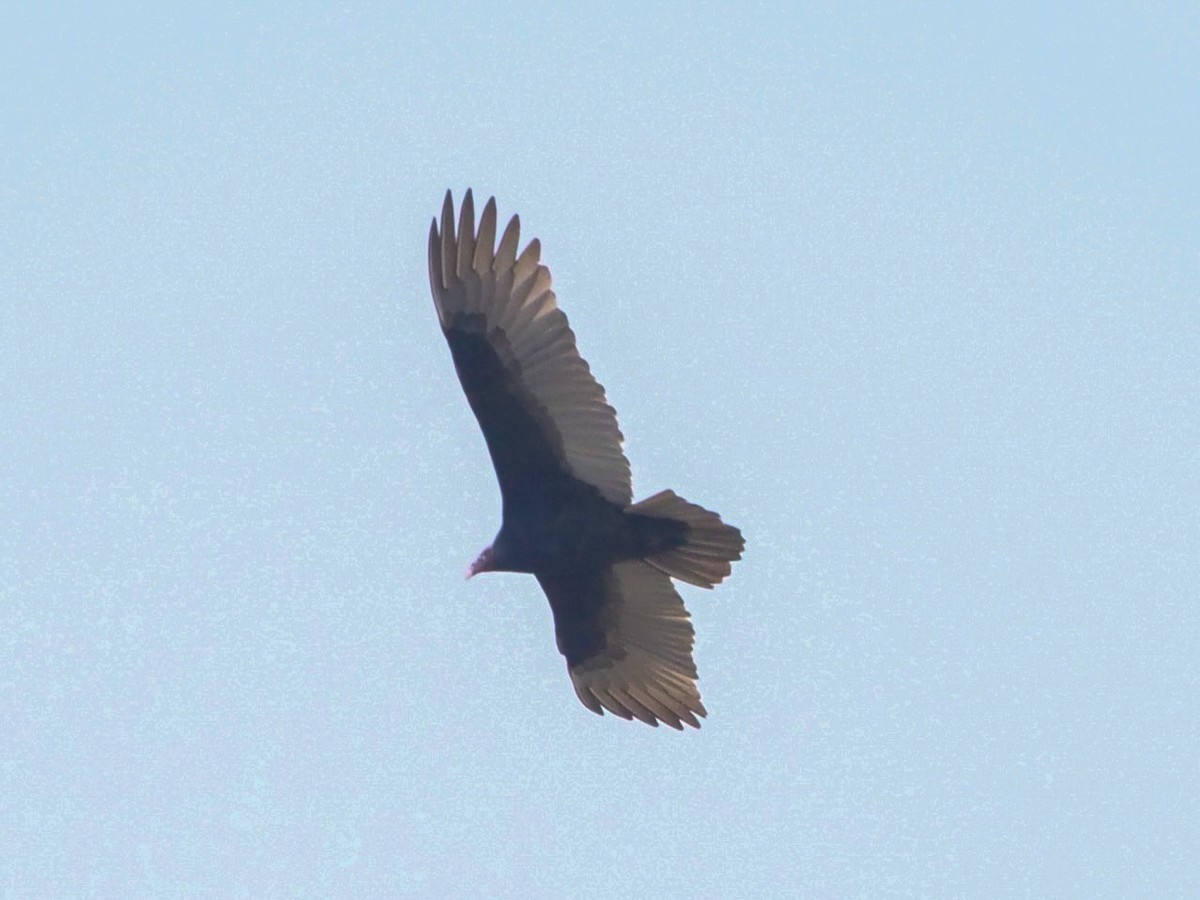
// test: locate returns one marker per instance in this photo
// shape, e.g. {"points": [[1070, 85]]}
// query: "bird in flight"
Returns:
{"points": [[604, 562]]}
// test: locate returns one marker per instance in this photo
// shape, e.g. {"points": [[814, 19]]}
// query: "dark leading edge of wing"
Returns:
{"points": [[628, 642], [516, 357]]}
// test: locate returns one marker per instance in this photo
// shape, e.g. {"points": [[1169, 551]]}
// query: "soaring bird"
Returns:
{"points": [[604, 562]]}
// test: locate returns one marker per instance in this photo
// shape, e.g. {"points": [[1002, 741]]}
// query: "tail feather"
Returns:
{"points": [[709, 548]]}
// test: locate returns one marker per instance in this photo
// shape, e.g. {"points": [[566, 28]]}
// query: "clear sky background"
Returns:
{"points": [[910, 293]]}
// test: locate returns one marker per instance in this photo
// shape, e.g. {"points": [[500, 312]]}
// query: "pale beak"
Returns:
{"points": [[483, 563]]}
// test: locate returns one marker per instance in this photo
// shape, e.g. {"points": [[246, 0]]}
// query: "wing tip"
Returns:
{"points": [[644, 705]]}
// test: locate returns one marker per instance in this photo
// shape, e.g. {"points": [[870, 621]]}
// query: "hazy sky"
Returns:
{"points": [[909, 293]]}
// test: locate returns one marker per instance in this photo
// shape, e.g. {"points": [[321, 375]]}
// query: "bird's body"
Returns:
{"points": [[604, 564]]}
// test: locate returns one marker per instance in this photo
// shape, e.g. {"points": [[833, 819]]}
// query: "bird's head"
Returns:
{"points": [[485, 562]]}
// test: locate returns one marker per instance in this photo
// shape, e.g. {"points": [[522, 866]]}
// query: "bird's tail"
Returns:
{"points": [[709, 546]]}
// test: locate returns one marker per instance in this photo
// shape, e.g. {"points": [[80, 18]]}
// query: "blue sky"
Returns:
{"points": [[908, 294]]}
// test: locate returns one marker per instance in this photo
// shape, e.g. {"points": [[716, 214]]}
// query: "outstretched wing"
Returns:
{"points": [[540, 409], [628, 642]]}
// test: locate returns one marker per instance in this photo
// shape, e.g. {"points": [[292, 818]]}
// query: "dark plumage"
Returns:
{"points": [[604, 563]]}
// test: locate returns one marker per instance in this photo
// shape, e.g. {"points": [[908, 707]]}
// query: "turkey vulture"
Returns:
{"points": [[604, 562]]}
